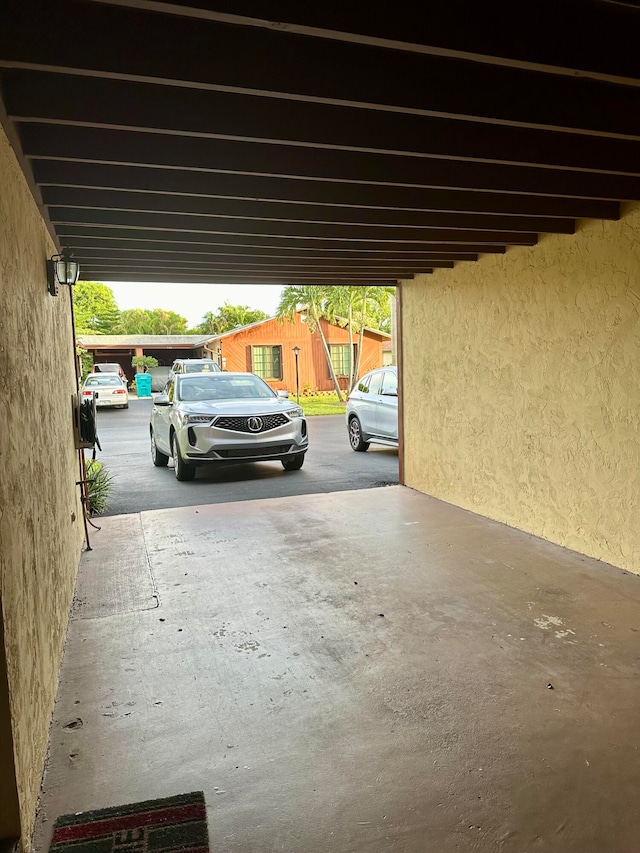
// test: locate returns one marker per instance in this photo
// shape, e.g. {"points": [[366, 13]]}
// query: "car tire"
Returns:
{"points": [[183, 471], [294, 463], [126, 406], [159, 459], [356, 440]]}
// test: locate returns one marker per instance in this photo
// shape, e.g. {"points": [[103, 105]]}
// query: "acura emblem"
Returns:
{"points": [[254, 424]]}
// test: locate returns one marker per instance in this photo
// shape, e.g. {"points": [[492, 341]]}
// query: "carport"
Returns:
{"points": [[489, 164]]}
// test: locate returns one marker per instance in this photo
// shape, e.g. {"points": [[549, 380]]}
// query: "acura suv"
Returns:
{"points": [[219, 418]]}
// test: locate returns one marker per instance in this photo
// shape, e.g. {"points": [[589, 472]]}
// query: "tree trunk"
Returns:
{"points": [[352, 374], [325, 346], [361, 338]]}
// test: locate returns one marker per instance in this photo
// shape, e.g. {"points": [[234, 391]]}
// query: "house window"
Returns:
{"points": [[267, 362], [340, 358]]}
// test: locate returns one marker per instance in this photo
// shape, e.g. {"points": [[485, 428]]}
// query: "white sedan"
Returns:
{"points": [[224, 418], [107, 388]]}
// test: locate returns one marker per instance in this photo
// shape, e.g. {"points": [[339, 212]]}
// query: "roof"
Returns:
{"points": [[444, 131], [112, 341], [239, 329]]}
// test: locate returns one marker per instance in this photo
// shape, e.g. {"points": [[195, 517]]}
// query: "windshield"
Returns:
{"points": [[95, 381], [200, 367], [220, 386]]}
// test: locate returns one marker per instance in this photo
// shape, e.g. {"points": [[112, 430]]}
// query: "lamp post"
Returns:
{"points": [[296, 352]]}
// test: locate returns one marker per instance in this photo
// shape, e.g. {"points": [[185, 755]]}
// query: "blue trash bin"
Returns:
{"points": [[143, 384]]}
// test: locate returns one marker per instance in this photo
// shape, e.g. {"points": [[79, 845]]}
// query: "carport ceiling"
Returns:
{"points": [[219, 141]]}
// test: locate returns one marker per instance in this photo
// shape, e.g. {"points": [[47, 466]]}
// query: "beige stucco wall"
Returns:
{"points": [[521, 387], [40, 516]]}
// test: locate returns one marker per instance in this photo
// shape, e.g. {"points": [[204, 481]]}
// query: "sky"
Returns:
{"points": [[194, 300]]}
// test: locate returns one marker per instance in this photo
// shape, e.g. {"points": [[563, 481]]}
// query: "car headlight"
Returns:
{"points": [[296, 413], [196, 419]]}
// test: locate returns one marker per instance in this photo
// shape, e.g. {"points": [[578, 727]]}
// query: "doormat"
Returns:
{"points": [[155, 826]]}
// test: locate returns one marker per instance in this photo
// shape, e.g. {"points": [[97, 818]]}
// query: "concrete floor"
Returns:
{"points": [[359, 671]]}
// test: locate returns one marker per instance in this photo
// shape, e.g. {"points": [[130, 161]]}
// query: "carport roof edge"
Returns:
{"points": [[93, 341]]}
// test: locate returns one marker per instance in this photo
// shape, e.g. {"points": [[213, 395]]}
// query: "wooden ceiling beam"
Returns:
{"points": [[235, 157], [103, 275], [69, 231], [309, 214], [334, 268], [488, 33], [294, 230], [102, 249], [334, 195], [83, 254], [206, 54], [71, 99]]}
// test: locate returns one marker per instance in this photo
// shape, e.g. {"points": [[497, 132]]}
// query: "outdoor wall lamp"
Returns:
{"points": [[61, 269]]}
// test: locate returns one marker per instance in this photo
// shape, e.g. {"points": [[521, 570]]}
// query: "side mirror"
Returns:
{"points": [[283, 395], [161, 400]]}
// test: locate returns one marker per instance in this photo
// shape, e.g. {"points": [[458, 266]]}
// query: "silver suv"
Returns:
{"points": [[372, 409], [195, 365]]}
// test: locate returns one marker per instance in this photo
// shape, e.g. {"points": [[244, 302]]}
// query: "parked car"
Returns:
{"points": [[372, 410], [224, 418], [195, 365], [159, 377], [108, 390], [109, 367]]}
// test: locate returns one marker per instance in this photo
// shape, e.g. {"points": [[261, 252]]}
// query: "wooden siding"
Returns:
{"points": [[236, 352]]}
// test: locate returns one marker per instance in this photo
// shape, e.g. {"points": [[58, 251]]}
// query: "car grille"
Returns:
{"points": [[244, 453], [241, 424]]}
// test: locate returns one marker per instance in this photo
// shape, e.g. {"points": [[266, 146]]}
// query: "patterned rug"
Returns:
{"points": [[156, 826]]}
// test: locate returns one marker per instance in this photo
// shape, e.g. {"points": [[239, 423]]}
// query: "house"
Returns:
{"points": [[267, 348]]}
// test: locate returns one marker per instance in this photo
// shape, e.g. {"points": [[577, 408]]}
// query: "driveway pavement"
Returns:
{"points": [[356, 672], [330, 466]]}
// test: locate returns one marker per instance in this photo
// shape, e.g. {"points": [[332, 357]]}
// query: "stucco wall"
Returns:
{"points": [[40, 515], [521, 387]]}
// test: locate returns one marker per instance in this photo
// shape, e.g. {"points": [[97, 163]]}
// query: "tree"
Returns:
{"points": [[313, 298], [226, 318], [375, 306], [95, 308], [144, 361], [356, 308], [151, 321], [342, 304]]}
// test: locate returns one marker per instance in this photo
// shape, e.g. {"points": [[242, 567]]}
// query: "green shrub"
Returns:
{"points": [[98, 487], [143, 361]]}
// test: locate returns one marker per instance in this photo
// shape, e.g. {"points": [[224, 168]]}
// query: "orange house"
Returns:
{"points": [[267, 348]]}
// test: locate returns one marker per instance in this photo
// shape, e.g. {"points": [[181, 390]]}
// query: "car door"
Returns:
{"points": [[161, 418], [368, 404], [387, 408]]}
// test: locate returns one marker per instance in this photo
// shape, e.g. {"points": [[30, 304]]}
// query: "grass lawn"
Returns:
{"points": [[322, 405]]}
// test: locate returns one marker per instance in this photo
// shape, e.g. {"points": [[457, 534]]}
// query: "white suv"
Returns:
{"points": [[372, 409]]}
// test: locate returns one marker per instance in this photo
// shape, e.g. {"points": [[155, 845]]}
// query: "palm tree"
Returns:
{"points": [[313, 298], [357, 307], [340, 306]]}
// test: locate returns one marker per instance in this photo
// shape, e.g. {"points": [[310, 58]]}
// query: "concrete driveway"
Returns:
{"points": [[330, 466], [358, 671]]}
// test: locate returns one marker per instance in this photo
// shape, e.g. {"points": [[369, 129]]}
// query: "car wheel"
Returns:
{"points": [[294, 463], [158, 458], [356, 440], [183, 470]]}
